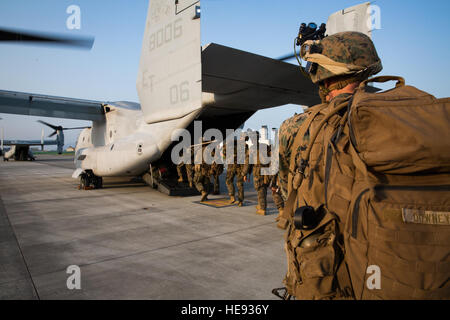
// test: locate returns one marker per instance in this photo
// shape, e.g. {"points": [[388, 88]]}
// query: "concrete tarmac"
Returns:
{"points": [[129, 241]]}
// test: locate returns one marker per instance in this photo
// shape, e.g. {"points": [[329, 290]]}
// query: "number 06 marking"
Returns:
{"points": [[179, 93]]}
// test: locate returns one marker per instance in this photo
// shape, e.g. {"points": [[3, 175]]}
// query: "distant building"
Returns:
{"points": [[70, 149]]}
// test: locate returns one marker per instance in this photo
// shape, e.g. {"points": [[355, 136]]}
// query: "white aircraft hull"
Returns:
{"points": [[108, 153]]}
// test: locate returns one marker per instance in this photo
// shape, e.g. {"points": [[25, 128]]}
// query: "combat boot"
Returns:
{"points": [[232, 199], [204, 196], [180, 179], [261, 212], [240, 204]]}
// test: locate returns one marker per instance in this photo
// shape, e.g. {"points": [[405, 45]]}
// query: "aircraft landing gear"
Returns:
{"points": [[98, 182], [89, 181]]}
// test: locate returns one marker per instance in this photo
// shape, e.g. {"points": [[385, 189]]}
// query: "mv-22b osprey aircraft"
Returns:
{"points": [[179, 82]]}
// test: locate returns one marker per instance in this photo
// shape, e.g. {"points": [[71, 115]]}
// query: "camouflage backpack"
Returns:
{"points": [[369, 206]]}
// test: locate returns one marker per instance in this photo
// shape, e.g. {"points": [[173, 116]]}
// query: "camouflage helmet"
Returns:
{"points": [[341, 54]]}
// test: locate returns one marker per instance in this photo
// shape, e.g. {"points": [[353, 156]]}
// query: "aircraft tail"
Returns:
{"points": [[169, 78]]}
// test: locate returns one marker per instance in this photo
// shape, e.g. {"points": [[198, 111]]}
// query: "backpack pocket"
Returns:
{"points": [[401, 131], [317, 256], [406, 230]]}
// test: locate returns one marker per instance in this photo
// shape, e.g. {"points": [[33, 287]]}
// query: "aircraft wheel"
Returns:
{"points": [[84, 181], [98, 182]]}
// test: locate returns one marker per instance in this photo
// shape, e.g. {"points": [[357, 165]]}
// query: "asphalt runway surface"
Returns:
{"points": [[128, 240]]}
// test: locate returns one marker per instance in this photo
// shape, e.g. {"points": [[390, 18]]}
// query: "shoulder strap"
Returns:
{"points": [[296, 144], [400, 81], [298, 177], [301, 132]]}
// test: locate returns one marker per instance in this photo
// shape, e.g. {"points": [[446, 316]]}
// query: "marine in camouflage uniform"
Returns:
{"points": [[343, 60], [216, 171], [202, 173], [239, 171], [260, 181], [354, 60], [189, 171], [278, 200], [180, 172], [190, 174]]}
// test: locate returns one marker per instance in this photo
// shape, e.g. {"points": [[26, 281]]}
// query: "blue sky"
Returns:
{"points": [[413, 42]]}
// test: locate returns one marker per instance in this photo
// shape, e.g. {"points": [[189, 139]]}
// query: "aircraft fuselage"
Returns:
{"points": [[124, 144]]}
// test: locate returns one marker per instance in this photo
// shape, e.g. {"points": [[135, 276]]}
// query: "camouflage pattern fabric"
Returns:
{"points": [[287, 134], [190, 174], [189, 171], [201, 177], [238, 170], [180, 171], [260, 187], [232, 171], [351, 48], [278, 200], [261, 182], [216, 171], [276, 191], [201, 172]]}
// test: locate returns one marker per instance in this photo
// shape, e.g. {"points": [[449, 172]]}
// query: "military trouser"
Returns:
{"points": [[235, 170], [216, 183], [201, 182], [261, 189], [278, 200], [180, 171], [216, 171], [190, 174]]}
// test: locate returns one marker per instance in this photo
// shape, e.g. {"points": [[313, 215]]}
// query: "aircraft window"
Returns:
{"points": [[82, 157], [83, 139], [110, 133], [112, 147]]}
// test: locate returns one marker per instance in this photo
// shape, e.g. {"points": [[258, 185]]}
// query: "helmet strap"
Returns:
{"points": [[340, 84]]}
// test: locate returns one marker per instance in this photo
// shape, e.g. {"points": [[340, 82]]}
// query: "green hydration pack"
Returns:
{"points": [[369, 198]]}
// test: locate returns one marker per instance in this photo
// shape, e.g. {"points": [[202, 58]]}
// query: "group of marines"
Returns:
{"points": [[199, 176]]}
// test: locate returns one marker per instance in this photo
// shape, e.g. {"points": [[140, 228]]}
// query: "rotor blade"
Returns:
{"points": [[48, 125], [75, 128], [286, 57], [52, 134], [45, 38]]}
